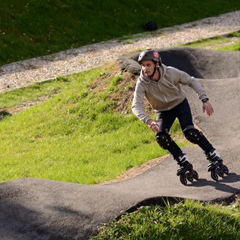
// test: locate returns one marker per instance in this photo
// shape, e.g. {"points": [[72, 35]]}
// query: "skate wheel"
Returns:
{"points": [[225, 169], [195, 175], [189, 177], [214, 175], [220, 174], [183, 179]]}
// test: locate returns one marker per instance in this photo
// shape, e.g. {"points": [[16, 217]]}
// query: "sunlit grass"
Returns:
{"points": [[230, 42], [188, 220]]}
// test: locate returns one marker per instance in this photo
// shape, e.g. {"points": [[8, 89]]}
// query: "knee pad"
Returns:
{"points": [[192, 134], [164, 140]]}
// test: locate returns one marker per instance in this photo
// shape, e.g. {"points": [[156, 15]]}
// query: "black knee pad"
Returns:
{"points": [[164, 140], [192, 134]]}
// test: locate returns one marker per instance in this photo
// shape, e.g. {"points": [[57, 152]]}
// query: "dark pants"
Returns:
{"points": [[184, 115]]}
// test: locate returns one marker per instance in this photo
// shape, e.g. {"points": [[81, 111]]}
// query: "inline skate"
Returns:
{"points": [[185, 170], [216, 166]]}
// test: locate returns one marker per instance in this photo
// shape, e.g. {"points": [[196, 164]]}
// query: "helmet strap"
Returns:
{"points": [[155, 69]]}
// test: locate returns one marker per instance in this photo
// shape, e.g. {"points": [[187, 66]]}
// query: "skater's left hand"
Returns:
{"points": [[208, 108]]}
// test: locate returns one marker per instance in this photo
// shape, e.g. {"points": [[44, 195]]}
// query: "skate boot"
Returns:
{"points": [[216, 166], [185, 170]]}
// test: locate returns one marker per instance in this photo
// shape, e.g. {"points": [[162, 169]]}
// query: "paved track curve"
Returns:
{"points": [[50, 210]]}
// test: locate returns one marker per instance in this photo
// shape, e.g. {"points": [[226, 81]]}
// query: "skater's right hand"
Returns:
{"points": [[154, 125]]}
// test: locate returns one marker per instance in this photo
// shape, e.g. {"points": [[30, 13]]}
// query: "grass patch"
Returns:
{"points": [[208, 42], [35, 92], [41, 27], [188, 220], [231, 47], [230, 42]]}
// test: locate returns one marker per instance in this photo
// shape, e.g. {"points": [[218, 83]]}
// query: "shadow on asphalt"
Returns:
{"points": [[220, 184]]}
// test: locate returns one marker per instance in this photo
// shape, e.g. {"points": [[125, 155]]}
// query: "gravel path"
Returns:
{"points": [[23, 73]]}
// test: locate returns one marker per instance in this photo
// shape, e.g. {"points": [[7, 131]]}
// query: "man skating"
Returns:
{"points": [[161, 85]]}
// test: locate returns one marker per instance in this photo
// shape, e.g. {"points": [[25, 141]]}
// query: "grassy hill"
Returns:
{"points": [[41, 27]]}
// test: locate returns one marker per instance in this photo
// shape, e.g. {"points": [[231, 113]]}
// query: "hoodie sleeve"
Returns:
{"points": [[192, 82], [138, 103]]}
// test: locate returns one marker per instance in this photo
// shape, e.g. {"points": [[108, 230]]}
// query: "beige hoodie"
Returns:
{"points": [[164, 94]]}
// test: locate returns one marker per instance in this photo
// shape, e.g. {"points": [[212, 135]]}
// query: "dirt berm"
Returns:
{"points": [[37, 209]]}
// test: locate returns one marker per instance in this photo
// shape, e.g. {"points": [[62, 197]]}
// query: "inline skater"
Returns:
{"points": [[161, 85]]}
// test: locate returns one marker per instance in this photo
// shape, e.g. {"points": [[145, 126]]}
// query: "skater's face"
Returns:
{"points": [[148, 67]]}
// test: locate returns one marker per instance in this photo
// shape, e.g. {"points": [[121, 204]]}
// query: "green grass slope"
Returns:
{"points": [[188, 220]]}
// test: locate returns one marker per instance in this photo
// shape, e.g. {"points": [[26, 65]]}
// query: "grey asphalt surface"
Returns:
{"points": [[37, 209]]}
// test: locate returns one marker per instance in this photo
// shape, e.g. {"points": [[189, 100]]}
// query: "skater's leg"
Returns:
{"points": [[190, 132], [166, 142], [163, 138], [197, 137]]}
